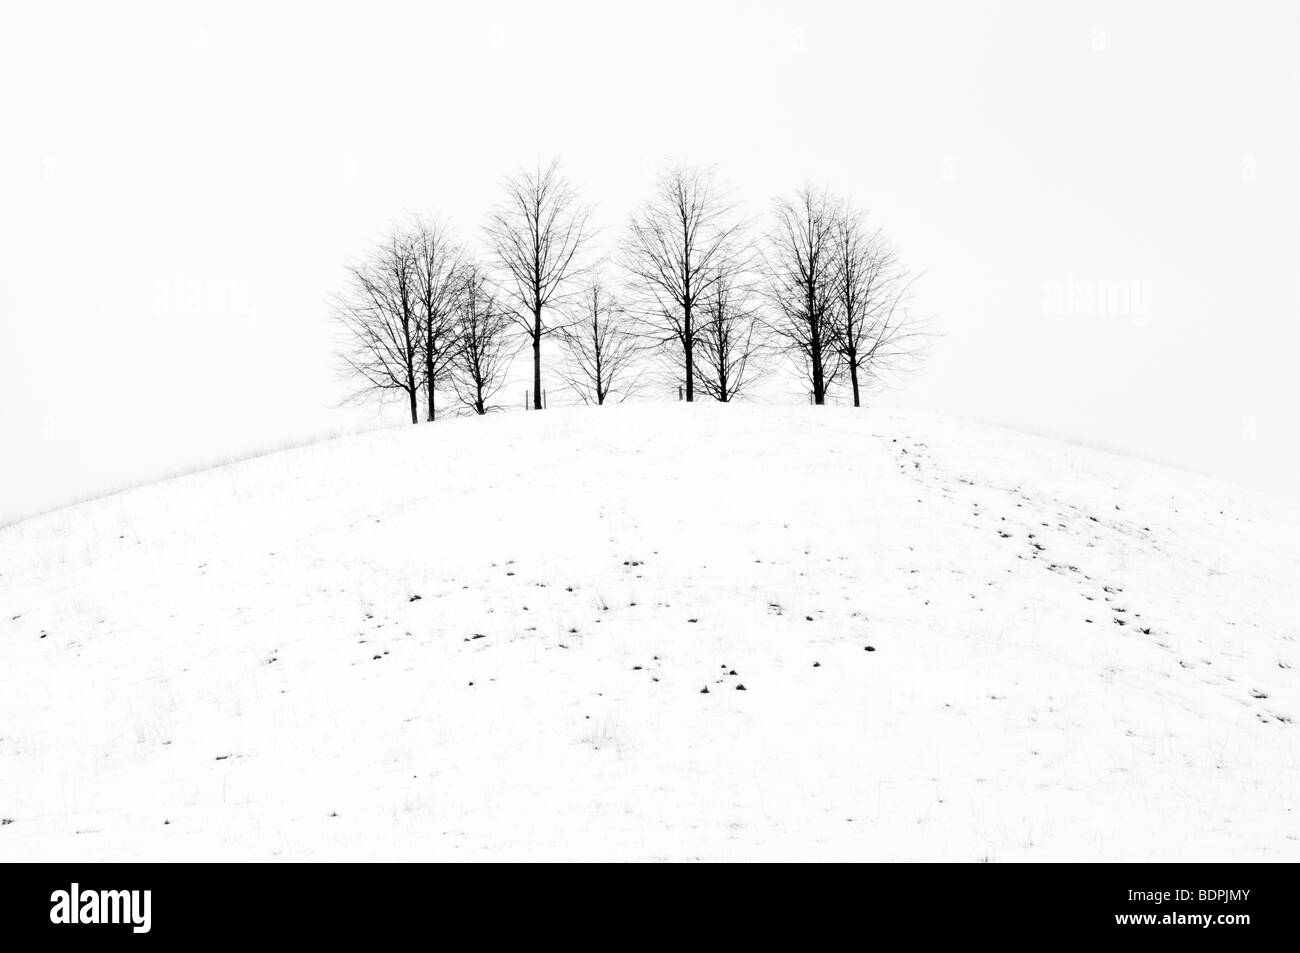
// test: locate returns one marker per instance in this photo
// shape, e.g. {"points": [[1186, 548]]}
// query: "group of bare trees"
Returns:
{"points": [[699, 300], [839, 294], [681, 247], [412, 319]]}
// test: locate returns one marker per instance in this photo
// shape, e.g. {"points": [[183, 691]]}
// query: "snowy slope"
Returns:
{"points": [[490, 639]]}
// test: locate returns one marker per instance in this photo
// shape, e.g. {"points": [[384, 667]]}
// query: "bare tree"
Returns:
{"points": [[537, 234], [483, 354], [379, 319], [438, 285], [875, 331], [802, 284], [727, 341], [602, 351], [677, 247]]}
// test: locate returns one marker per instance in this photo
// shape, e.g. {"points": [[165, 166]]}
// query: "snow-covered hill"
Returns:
{"points": [[657, 632]]}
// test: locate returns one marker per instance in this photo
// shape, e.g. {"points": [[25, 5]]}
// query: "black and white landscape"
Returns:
{"points": [[717, 431]]}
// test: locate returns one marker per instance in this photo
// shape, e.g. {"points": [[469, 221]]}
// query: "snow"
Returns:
{"points": [[1076, 655]]}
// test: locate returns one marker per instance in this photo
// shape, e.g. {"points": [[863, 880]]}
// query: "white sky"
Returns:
{"points": [[180, 188]]}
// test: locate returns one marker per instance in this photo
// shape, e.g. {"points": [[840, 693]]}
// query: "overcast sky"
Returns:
{"points": [[1103, 197]]}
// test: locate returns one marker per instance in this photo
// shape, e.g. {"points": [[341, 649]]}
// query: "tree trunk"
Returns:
{"points": [[412, 389], [690, 355], [428, 375], [815, 352], [537, 359], [819, 387], [853, 375]]}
